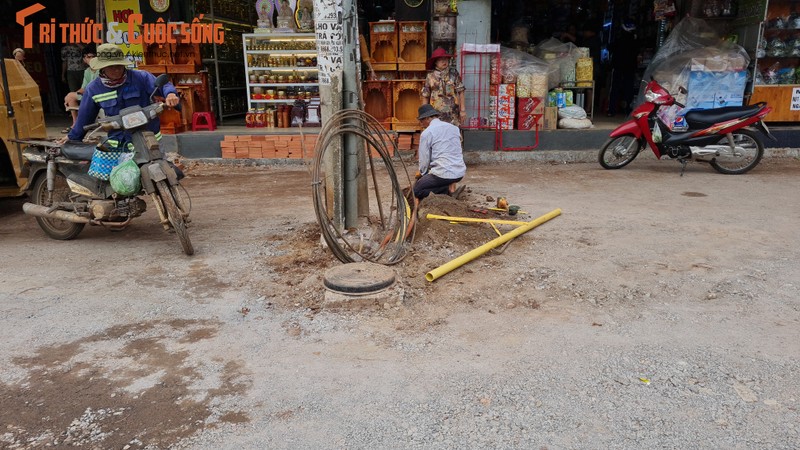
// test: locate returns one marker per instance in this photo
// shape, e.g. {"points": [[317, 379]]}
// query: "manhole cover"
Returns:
{"points": [[359, 278]]}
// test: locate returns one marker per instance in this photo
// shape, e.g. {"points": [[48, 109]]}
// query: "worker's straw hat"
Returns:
{"points": [[108, 55]]}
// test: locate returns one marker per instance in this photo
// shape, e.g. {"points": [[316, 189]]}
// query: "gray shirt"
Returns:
{"points": [[440, 151]]}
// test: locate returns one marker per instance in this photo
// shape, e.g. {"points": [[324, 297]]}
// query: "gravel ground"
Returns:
{"points": [[657, 311]]}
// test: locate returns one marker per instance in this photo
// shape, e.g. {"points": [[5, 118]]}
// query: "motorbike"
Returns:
{"points": [[720, 136], [64, 197]]}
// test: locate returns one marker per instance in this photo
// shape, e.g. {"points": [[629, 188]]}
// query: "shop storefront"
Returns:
{"points": [[518, 60], [526, 65]]}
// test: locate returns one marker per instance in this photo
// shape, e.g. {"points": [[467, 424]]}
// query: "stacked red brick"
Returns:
{"points": [[268, 146]]}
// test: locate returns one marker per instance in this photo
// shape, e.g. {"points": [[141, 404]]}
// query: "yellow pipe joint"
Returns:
{"points": [[498, 241]]}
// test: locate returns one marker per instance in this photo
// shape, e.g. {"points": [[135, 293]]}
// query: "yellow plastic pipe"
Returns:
{"points": [[476, 220], [496, 242]]}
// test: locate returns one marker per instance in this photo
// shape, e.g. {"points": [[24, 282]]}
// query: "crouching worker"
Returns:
{"points": [[441, 164], [116, 88]]}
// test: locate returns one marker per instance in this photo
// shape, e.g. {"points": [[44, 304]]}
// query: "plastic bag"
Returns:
{"points": [[574, 124], [532, 75], [571, 112], [126, 178], [691, 43], [656, 133]]}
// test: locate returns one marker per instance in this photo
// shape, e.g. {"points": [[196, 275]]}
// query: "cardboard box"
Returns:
{"points": [[528, 121], [708, 90], [502, 107], [550, 118], [509, 90], [530, 105], [505, 124]]}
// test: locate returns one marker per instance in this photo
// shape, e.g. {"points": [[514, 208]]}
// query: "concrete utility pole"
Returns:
{"points": [[335, 23]]}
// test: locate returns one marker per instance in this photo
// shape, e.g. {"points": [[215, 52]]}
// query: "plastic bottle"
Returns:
{"points": [[279, 114], [249, 118]]}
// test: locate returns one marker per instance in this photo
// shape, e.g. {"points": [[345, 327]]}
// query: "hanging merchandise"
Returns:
{"points": [[777, 48], [663, 9]]}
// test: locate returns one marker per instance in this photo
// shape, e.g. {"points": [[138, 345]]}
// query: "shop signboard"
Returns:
{"points": [[118, 13], [795, 106]]}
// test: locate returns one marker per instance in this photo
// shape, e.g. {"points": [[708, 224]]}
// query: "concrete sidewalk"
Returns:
{"points": [[555, 145]]}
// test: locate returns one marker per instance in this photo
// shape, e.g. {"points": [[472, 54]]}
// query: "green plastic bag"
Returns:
{"points": [[126, 178]]}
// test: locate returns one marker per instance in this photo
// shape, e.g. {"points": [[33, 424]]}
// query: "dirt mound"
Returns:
{"points": [[297, 260]]}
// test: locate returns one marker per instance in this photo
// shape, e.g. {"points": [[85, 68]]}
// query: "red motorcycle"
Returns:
{"points": [[716, 136]]}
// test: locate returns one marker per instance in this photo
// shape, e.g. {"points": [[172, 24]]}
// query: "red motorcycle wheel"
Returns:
{"points": [[618, 151], [747, 153]]}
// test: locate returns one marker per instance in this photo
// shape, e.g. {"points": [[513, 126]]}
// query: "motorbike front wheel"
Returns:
{"points": [[175, 216], [745, 155], [57, 229], [619, 151]]}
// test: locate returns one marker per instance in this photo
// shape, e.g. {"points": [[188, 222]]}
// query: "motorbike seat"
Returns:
{"points": [[700, 118], [77, 150]]}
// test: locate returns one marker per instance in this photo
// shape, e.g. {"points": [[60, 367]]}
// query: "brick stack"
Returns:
{"points": [[291, 146], [268, 146]]}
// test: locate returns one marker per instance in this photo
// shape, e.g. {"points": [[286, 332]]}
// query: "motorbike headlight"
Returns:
{"points": [[651, 96], [134, 120]]}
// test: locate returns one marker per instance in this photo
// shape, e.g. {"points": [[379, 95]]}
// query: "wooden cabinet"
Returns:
{"points": [[383, 45], [776, 77], [785, 105], [378, 101], [182, 62], [412, 48]]}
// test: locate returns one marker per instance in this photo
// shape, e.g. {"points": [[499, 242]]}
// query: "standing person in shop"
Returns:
{"points": [[443, 89], [624, 53], [72, 66], [73, 99], [116, 87], [441, 163]]}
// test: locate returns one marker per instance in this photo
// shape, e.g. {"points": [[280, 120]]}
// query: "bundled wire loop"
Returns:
{"points": [[379, 239]]}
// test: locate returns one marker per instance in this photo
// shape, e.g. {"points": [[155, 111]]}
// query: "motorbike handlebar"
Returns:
{"points": [[680, 104], [91, 126]]}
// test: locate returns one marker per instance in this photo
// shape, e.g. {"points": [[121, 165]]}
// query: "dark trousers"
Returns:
{"points": [[432, 184], [622, 87]]}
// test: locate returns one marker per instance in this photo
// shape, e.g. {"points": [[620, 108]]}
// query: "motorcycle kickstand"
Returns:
{"points": [[683, 162]]}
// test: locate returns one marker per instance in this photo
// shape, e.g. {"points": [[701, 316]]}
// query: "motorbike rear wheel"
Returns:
{"points": [[175, 216], [62, 230], [617, 152], [747, 154]]}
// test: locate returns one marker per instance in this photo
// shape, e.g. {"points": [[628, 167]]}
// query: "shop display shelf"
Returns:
{"points": [[283, 84], [283, 68], [290, 44]]}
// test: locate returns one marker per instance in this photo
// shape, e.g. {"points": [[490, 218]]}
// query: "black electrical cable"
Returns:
{"points": [[388, 247]]}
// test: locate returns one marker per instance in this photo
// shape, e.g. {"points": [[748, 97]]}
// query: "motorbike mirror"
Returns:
{"points": [[161, 80], [682, 90]]}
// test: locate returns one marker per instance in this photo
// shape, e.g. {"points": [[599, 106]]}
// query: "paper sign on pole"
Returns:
{"points": [[330, 43]]}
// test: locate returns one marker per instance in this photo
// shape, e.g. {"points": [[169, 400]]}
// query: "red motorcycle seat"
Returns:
{"points": [[700, 118]]}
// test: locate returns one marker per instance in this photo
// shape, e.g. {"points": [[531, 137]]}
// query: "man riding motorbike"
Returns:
{"points": [[115, 88]]}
